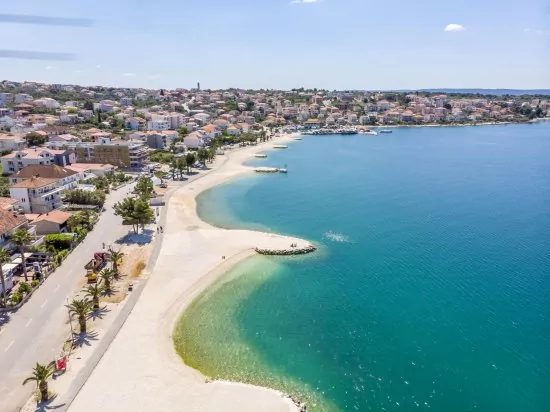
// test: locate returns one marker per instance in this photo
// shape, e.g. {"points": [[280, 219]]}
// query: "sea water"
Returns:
{"points": [[431, 287]]}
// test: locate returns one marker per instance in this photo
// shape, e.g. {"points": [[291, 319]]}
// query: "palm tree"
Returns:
{"points": [[93, 292], [116, 259], [4, 257], [40, 375], [21, 238], [106, 276], [81, 308]]}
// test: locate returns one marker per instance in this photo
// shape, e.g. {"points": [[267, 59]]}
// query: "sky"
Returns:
{"points": [[284, 44]]}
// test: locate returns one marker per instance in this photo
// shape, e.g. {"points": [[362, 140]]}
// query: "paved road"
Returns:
{"points": [[37, 331]]}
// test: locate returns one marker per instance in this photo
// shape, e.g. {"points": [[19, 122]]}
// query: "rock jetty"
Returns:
{"points": [[292, 250]]}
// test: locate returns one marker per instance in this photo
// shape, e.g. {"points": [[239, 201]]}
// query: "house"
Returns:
{"points": [[37, 194], [19, 159], [12, 142], [51, 222], [134, 123], [193, 140], [156, 140], [312, 124], [9, 204], [67, 178], [9, 223], [93, 168], [233, 131]]}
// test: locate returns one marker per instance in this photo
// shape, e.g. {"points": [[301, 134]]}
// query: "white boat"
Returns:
{"points": [[371, 132], [260, 155], [283, 170], [280, 146]]}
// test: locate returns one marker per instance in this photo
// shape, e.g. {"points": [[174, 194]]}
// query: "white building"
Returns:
{"points": [[193, 140], [37, 194], [47, 102]]}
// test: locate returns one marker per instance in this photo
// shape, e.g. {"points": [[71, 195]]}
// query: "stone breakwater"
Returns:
{"points": [[287, 252]]}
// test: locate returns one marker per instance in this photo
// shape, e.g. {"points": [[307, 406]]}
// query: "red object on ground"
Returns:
{"points": [[61, 363]]}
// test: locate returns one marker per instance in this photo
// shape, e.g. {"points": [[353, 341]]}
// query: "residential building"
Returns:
{"points": [[92, 168], [119, 153], [193, 140], [12, 142], [156, 140], [67, 178], [37, 194], [19, 159], [9, 204], [51, 222]]}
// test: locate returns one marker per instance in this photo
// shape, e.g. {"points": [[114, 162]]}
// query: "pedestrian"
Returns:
{"points": [[158, 230], [161, 231], [103, 245]]}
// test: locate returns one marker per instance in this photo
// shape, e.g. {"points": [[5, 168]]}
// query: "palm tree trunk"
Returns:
{"points": [[96, 303], [23, 261], [107, 285], [43, 386], [82, 324], [3, 280]]}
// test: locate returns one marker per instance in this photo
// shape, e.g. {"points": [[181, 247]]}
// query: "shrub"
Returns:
{"points": [[59, 241], [35, 283], [16, 298], [83, 197], [62, 254], [24, 287]]}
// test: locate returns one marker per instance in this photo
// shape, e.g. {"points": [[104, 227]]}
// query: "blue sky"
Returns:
{"points": [[334, 44]]}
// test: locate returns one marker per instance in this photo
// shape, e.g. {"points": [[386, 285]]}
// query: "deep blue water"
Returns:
{"points": [[431, 289]]}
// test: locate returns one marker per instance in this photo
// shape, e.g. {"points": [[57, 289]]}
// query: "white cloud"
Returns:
{"points": [[537, 31], [454, 27], [129, 75], [78, 71], [98, 66], [48, 67], [304, 1]]}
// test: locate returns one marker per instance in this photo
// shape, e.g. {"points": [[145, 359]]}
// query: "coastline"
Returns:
{"points": [[141, 370]]}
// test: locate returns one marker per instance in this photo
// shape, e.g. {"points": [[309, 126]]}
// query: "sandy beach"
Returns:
{"points": [[141, 371]]}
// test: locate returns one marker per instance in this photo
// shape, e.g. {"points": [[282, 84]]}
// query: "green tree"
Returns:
{"points": [[211, 153], [107, 276], [182, 132], [135, 212], [116, 257], [21, 238], [190, 159], [202, 155], [40, 375], [80, 308], [144, 187], [4, 258], [35, 139], [88, 105], [181, 164], [84, 197], [94, 292]]}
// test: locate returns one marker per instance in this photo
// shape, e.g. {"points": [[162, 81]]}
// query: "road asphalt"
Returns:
{"points": [[36, 332]]}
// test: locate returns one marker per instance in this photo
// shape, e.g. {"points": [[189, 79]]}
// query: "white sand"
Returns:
{"points": [[141, 371]]}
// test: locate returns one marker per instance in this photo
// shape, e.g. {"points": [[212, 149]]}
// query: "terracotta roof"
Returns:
{"points": [[10, 221], [90, 166], [34, 182], [32, 153], [47, 171], [56, 216], [7, 202]]}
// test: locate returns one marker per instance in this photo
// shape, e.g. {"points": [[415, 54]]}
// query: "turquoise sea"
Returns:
{"points": [[431, 286]]}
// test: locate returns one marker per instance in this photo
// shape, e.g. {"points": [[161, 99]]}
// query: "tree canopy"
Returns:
{"points": [[134, 212]]}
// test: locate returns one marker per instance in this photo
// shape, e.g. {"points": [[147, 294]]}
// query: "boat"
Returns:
{"points": [[280, 146], [283, 170], [386, 131], [261, 155], [371, 132]]}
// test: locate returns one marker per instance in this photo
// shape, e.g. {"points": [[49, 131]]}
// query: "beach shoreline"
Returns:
{"points": [[141, 370]]}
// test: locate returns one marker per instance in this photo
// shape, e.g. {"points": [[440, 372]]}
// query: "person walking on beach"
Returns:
{"points": [[161, 231]]}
